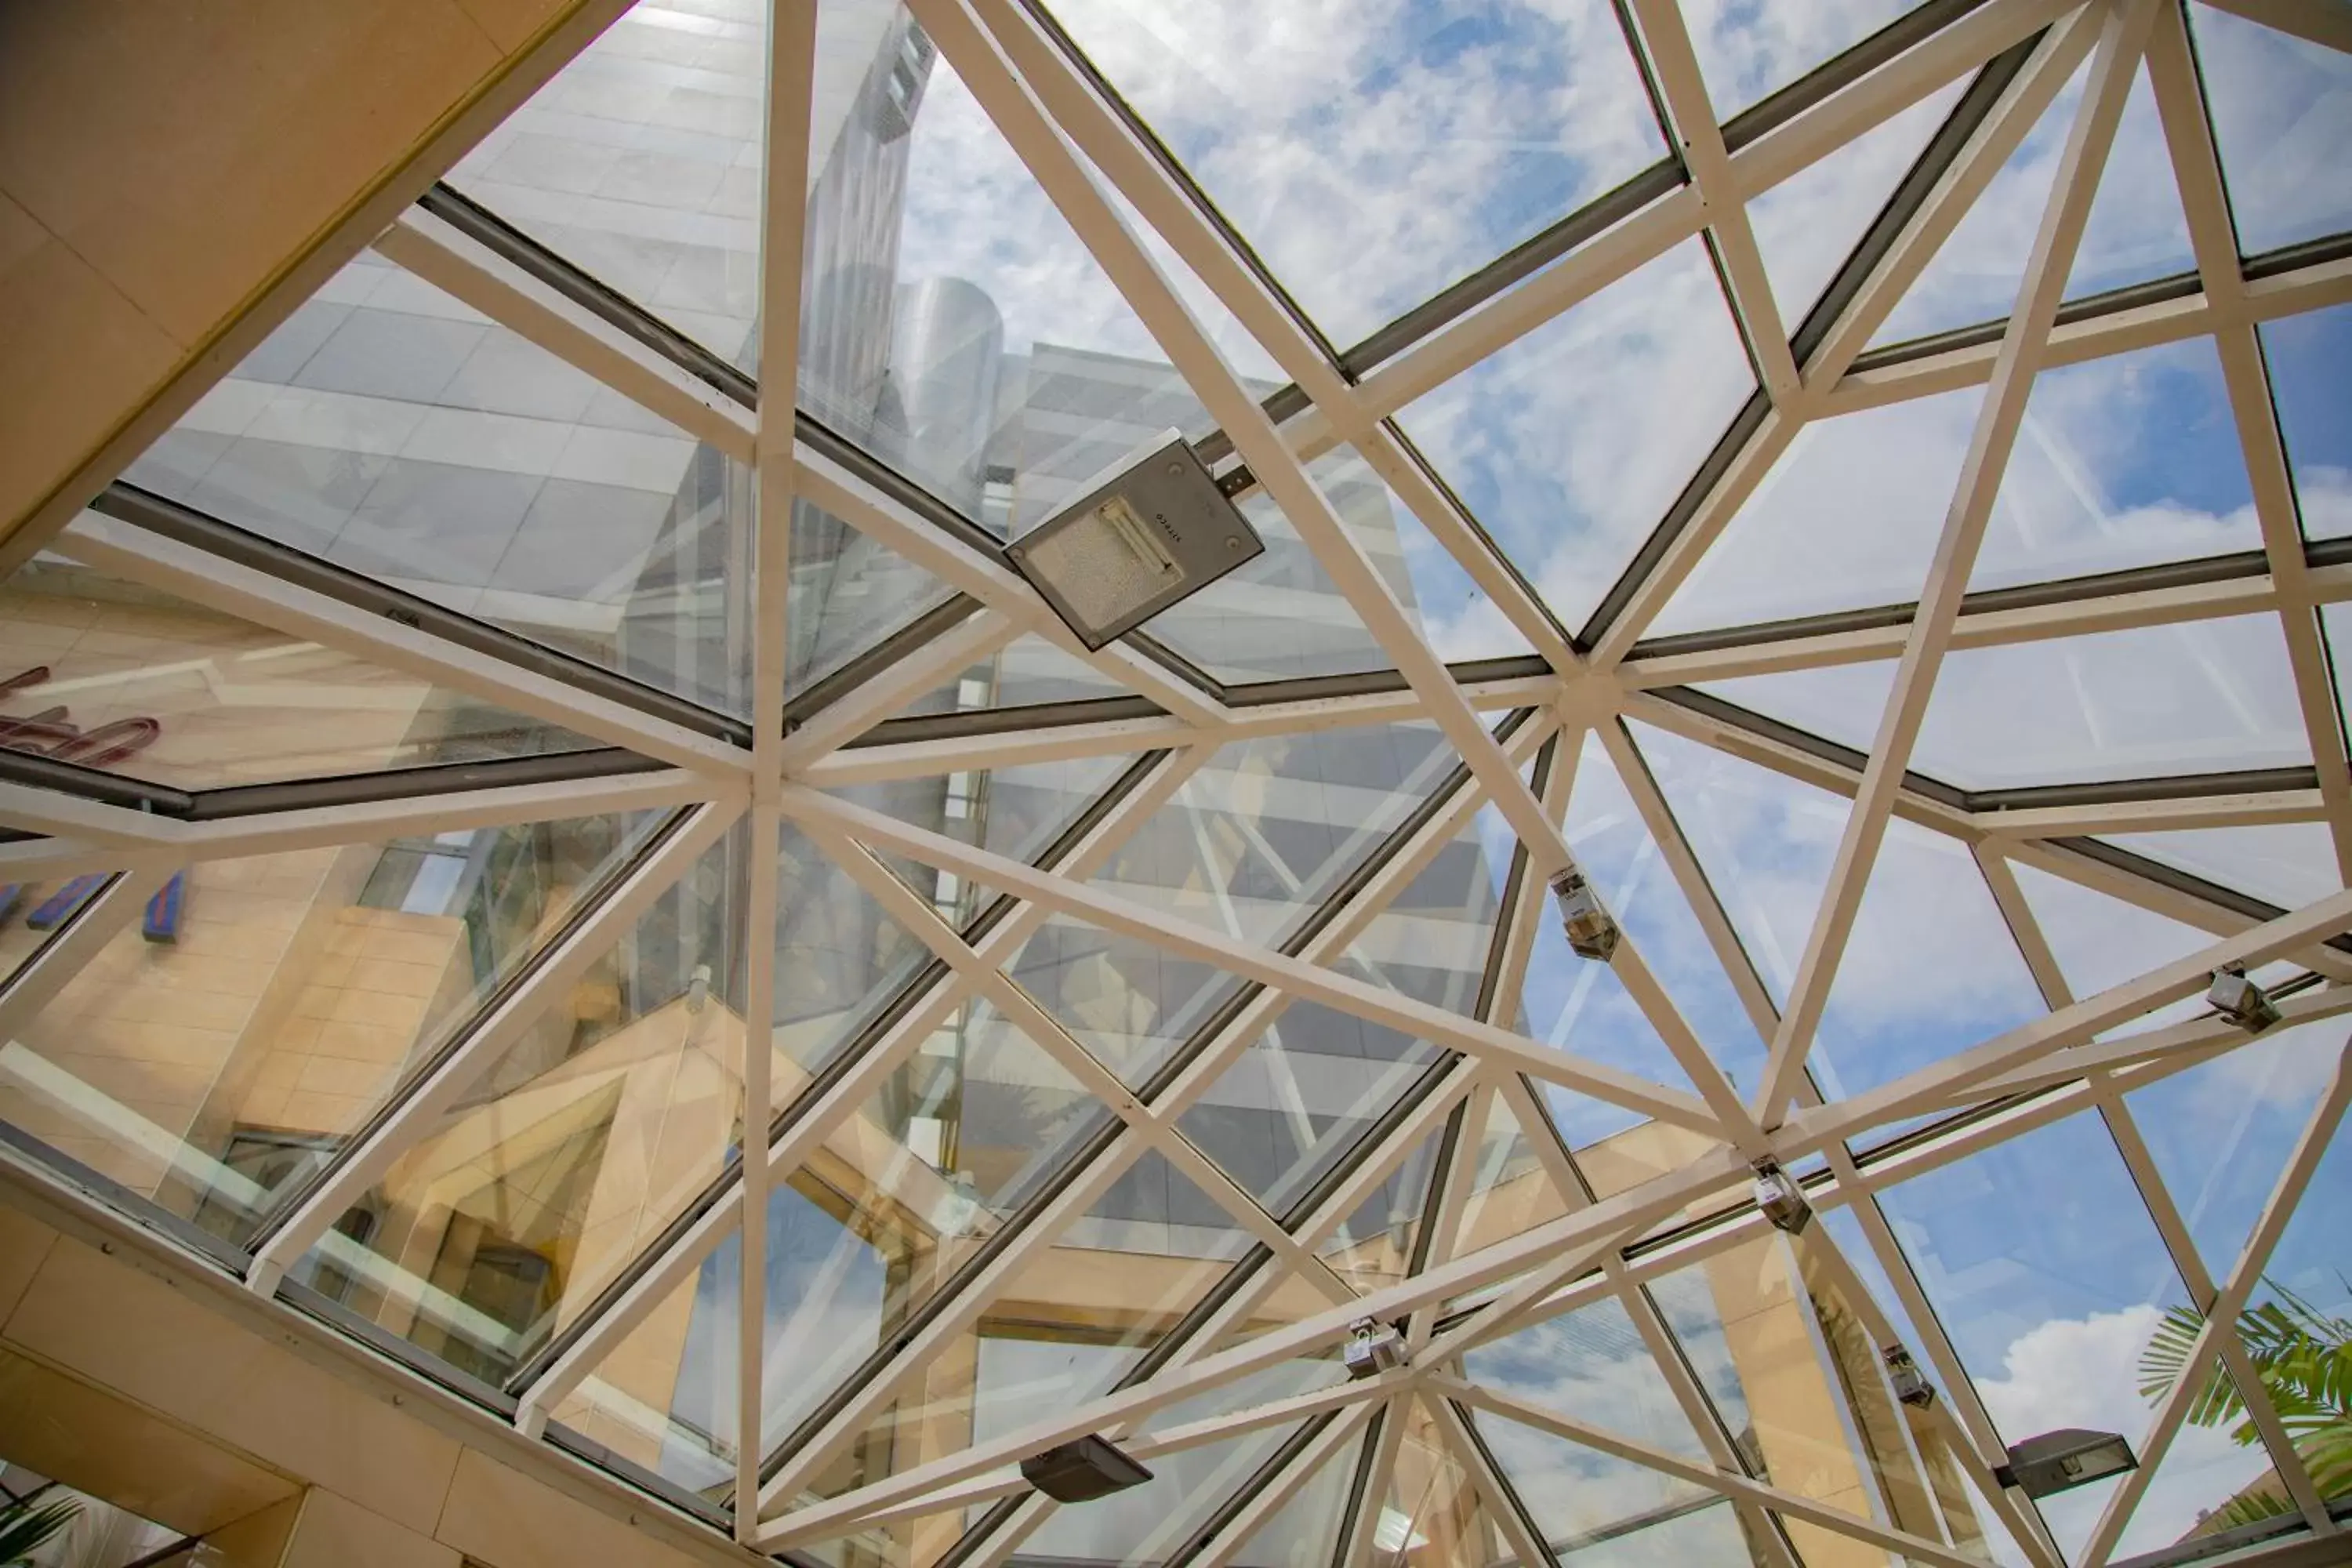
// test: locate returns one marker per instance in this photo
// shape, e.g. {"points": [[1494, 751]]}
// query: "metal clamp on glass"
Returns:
{"points": [[1372, 1347], [1780, 1198]]}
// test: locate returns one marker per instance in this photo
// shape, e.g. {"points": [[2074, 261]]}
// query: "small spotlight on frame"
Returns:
{"points": [[2240, 1000], [2062, 1460], [1911, 1384], [1781, 1199], [1143, 535], [1592, 934], [1372, 1347]]}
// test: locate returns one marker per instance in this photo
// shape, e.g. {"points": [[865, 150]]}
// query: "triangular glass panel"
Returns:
{"points": [[1747, 56], [1432, 941], [1067, 1324], [392, 430], [255, 1013], [1149, 1525], [1452, 611], [2100, 940], [2207, 1481], [1616, 848], [111, 675], [919, 1541], [2123, 462], [1017, 812], [1154, 1210], [2221, 1132], [1843, 703], [640, 161], [1307, 1090], [596, 1129], [1131, 1004], [2200, 697], [1554, 444], [1842, 1230], [1765, 841], [1808, 224], [2305, 1293], [2278, 103], [1295, 133], [2289, 864], [952, 322], [1279, 615], [2306, 355], [848, 593], [1508, 1190], [2336, 625], [1931, 967], [1375, 1246], [1846, 520], [1026, 672], [1592, 1365], [1269, 827], [1303, 1533], [1581, 1009], [1432, 1513], [871, 1227], [1796, 1381], [839, 960], [662, 1399], [1191, 1485], [2134, 230], [1583, 1499], [2046, 1271]]}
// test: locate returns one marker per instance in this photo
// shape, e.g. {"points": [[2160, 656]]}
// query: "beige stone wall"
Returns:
{"points": [[162, 166]]}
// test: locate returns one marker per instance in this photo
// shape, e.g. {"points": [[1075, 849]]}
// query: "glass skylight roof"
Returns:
{"points": [[1133, 1022]]}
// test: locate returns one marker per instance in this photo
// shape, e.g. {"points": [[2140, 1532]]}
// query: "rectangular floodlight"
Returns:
{"points": [[1144, 535], [2060, 1460], [1081, 1471]]}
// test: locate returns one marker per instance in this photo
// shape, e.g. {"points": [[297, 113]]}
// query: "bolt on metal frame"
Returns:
{"points": [[1057, 113]]}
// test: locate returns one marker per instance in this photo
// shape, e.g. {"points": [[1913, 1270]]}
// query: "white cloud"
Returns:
{"points": [[2282, 115], [1746, 50], [2084, 1372], [1374, 150]]}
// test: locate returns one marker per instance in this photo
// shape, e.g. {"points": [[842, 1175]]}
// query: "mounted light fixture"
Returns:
{"points": [[1911, 1384], [1081, 1471], [1372, 1347], [2241, 1001], [1591, 932], [2060, 1460], [1146, 534], [1780, 1198]]}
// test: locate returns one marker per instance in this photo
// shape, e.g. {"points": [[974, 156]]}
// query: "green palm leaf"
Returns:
{"points": [[2303, 1357], [25, 1526]]}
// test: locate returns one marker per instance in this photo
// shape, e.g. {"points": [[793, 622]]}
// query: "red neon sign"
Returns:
{"points": [[50, 734]]}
